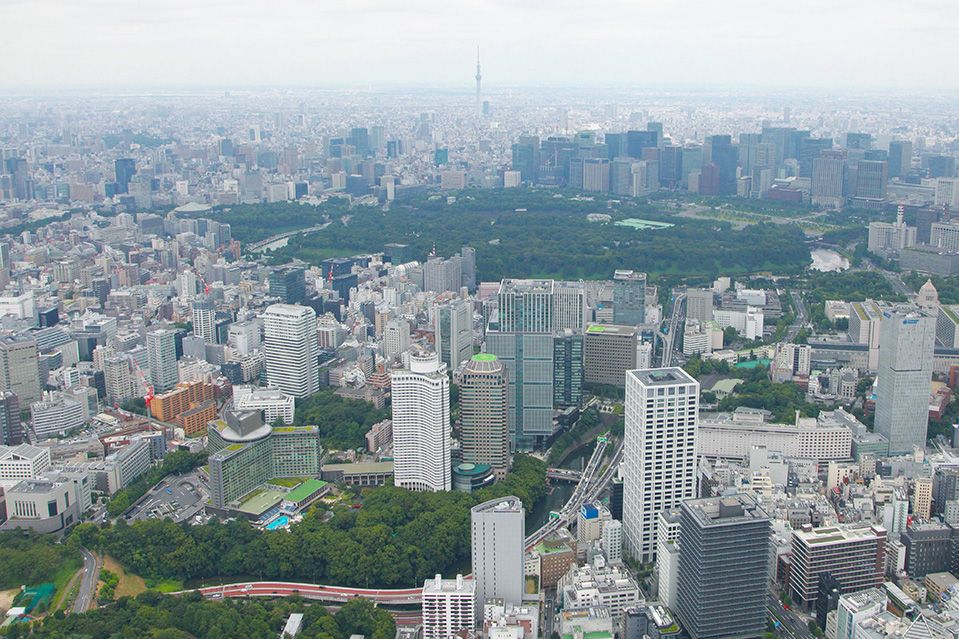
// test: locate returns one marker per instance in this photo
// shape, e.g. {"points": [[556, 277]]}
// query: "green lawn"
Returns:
{"points": [[288, 482], [62, 580], [165, 585]]}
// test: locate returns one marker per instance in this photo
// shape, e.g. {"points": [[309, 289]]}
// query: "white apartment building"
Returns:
{"points": [[748, 323], [612, 541], [274, 403], [449, 606], [161, 356], [204, 319], [396, 337], [421, 424], [659, 464], [667, 556], [244, 337]]}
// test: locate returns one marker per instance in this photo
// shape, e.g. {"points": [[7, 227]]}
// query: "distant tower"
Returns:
{"points": [[479, 77]]}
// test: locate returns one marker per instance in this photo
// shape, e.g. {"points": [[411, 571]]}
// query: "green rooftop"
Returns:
{"points": [[950, 313], [260, 501], [305, 489], [595, 329], [233, 447], [484, 357]]}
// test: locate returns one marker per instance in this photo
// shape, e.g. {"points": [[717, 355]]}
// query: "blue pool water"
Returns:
{"points": [[279, 522]]}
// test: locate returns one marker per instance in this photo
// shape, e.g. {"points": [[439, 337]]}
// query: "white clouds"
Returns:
{"points": [[630, 43]]}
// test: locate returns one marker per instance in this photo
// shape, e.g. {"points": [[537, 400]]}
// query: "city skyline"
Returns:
{"points": [[163, 44]]}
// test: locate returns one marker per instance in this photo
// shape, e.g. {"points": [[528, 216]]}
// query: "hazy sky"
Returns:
{"points": [[888, 44]]}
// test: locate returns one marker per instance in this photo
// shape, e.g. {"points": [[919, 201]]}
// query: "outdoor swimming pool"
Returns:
{"points": [[279, 522]]}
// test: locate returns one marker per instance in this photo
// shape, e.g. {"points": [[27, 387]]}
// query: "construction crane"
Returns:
{"points": [[142, 379]]}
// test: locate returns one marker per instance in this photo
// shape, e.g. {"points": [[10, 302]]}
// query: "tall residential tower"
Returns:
{"points": [[659, 463]]}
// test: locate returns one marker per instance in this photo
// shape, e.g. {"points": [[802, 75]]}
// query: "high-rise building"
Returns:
{"points": [[453, 332], [629, 297], [826, 183], [291, 349], [124, 170], [637, 141], [609, 351], [900, 158], [161, 354], [521, 337], [723, 567], [526, 157], [449, 605], [289, 284], [396, 337], [855, 140], [204, 320], [569, 306], [498, 536], [119, 380], [871, 178], [659, 463], [478, 78], [468, 254], [484, 413], [719, 150], [699, 304], [907, 338], [20, 367], [421, 424], [567, 368], [589, 174], [11, 428]]}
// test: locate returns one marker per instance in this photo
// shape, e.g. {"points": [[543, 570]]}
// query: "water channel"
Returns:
{"points": [[828, 260], [560, 490]]}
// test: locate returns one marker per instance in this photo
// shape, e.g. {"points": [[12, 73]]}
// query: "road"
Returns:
{"points": [[256, 246], [669, 339], [318, 592], [802, 316], [88, 582], [894, 279], [792, 625], [589, 488]]}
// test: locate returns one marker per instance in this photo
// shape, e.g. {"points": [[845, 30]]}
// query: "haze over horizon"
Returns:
{"points": [[161, 43]]}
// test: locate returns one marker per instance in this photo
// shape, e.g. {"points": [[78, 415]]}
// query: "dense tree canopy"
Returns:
{"points": [[155, 616], [31, 559], [393, 538], [343, 422], [536, 241], [253, 222]]}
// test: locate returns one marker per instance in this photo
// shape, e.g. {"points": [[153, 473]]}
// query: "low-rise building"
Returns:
{"points": [[42, 505], [274, 403], [598, 584], [361, 474], [23, 461], [55, 415], [733, 435], [855, 555]]}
